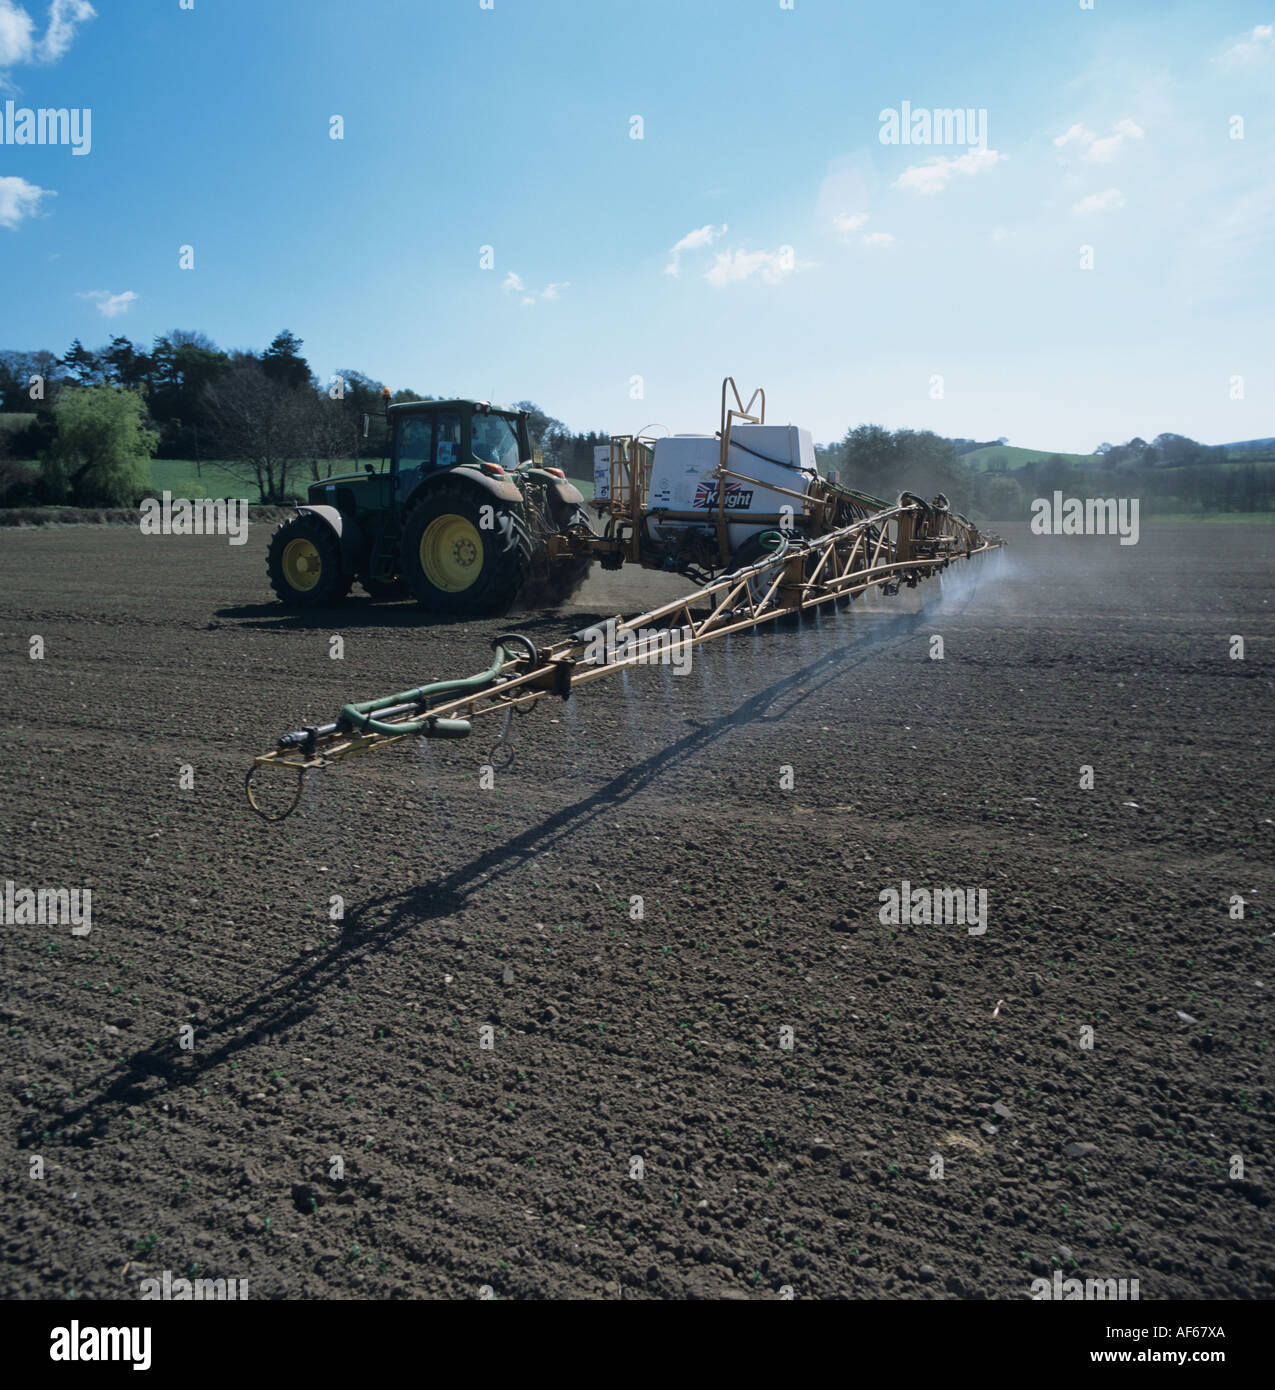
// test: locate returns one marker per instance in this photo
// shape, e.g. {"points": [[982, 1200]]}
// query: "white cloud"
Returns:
{"points": [[732, 267], [64, 17], [848, 223], [935, 174], [1077, 134], [18, 43], [692, 241], [19, 199], [513, 283], [109, 305], [1104, 151], [17, 29], [849, 186], [1099, 202], [1252, 47], [1101, 149]]}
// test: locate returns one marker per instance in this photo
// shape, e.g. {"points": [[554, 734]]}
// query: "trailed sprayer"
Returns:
{"points": [[744, 513]]}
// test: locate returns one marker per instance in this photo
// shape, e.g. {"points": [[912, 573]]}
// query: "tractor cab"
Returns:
{"points": [[429, 436]]}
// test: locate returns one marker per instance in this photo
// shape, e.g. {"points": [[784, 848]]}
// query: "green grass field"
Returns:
{"points": [[1014, 458], [979, 459], [182, 479]]}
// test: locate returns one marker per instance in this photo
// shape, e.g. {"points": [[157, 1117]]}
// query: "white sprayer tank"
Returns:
{"points": [[601, 471], [777, 456]]}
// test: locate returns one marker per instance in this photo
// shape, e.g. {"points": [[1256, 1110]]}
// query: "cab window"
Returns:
{"points": [[495, 441], [447, 424], [414, 441]]}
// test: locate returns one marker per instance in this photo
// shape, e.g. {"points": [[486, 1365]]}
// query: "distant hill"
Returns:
{"points": [[979, 460]]}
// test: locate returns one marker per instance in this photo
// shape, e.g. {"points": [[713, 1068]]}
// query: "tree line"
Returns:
{"points": [[93, 418], [1170, 474]]}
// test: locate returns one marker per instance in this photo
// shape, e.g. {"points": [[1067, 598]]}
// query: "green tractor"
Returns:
{"points": [[460, 515]]}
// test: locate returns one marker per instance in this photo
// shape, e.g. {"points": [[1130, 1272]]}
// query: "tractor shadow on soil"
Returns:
{"points": [[380, 922]]}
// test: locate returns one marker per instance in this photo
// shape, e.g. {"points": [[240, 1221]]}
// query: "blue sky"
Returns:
{"points": [[843, 274]]}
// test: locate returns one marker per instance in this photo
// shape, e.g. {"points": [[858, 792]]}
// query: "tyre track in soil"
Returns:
{"points": [[659, 1039]]}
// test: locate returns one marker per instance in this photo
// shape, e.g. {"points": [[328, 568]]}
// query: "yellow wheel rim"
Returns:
{"points": [[451, 553], [302, 564]]}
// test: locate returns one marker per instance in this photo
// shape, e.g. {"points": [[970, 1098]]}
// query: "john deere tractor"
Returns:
{"points": [[460, 515]]}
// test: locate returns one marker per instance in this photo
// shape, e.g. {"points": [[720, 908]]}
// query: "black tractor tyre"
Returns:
{"points": [[567, 577], [305, 565], [453, 563], [555, 586]]}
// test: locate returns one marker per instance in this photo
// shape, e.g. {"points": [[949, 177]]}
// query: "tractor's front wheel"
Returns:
{"points": [[304, 563], [464, 551]]}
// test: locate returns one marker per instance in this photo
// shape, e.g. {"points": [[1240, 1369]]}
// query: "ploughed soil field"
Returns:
{"points": [[265, 1061]]}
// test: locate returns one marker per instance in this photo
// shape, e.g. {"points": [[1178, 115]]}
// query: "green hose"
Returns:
{"points": [[360, 715]]}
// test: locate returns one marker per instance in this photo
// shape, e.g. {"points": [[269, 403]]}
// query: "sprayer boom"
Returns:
{"points": [[903, 544]]}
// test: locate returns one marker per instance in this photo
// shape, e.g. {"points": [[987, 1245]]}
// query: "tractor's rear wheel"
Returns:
{"points": [[568, 575], [464, 551], [304, 563], [554, 586]]}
